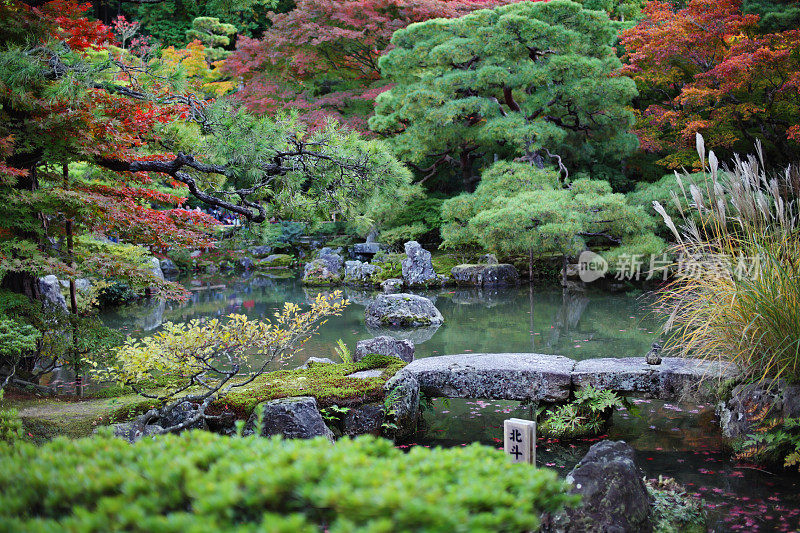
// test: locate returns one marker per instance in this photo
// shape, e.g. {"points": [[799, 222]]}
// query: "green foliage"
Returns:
{"points": [[217, 37], [170, 21], [10, 425], [391, 266], [517, 208], [328, 383], [323, 190], [775, 15], [343, 351], [333, 414], [775, 441], [413, 220], [15, 340], [585, 416], [203, 481], [674, 510], [517, 80]]}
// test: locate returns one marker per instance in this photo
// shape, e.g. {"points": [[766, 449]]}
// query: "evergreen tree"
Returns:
{"points": [[217, 37], [518, 209], [775, 15], [531, 79]]}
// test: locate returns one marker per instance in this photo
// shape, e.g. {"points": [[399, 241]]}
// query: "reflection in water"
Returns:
{"points": [[524, 319], [682, 441]]}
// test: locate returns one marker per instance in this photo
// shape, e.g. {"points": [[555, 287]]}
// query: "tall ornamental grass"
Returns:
{"points": [[736, 297]]}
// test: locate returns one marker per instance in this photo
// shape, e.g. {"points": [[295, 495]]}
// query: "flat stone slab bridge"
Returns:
{"points": [[551, 378]]}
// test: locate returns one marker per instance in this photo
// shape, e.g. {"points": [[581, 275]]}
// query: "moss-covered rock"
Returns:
{"points": [[402, 311], [328, 384], [275, 261]]}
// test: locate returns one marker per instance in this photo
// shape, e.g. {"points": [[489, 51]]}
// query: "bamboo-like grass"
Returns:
{"points": [[743, 306]]}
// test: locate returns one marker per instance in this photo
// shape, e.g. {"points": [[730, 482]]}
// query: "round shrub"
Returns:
{"points": [[199, 481]]}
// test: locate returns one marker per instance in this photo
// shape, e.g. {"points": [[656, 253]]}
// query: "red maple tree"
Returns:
{"points": [[704, 68], [321, 58]]}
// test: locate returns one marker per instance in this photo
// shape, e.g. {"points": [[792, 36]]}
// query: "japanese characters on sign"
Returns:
{"points": [[519, 440]]}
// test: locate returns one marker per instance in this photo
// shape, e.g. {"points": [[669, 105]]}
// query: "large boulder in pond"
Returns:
{"points": [[385, 345], [326, 269], [417, 266], [294, 418], [260, 251], [275, 261], [50, 291], [402, 311], [614, 497], [485, 275], [360, 273]]}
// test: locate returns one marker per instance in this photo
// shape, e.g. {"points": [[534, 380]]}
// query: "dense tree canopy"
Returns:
{"points": [[518, 209], [526, 79], [322, 56], [74, 98], [704, 68], [775, 15]]}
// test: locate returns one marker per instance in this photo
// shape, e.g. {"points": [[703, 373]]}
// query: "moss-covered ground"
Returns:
{"points": [[329, 383], [46, 417]]}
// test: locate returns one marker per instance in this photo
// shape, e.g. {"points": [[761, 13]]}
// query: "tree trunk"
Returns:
{"points": [[530, 264], [533, 333], [564, 271]]}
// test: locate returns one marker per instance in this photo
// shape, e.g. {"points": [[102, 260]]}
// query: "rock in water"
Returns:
{"points": [[402, 311], [653, 357], [392, 285], [489, 275], [417, 266], [366, 419], [359, 273], [385, 345], [50, 290], [294, 418], [402, 397], [325, 269], [614, 497]]}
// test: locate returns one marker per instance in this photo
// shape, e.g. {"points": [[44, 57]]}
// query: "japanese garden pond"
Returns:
{"points": [[524, 319], [676, 440]]}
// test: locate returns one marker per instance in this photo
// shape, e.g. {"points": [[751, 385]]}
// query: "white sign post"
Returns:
{"points": [[519, 440]]}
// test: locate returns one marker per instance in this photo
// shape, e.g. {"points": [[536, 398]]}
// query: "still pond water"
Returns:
{"points": [[676, 440]]}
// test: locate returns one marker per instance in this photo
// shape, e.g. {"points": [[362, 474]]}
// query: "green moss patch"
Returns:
{"points": [[328, 383], [47, 418]]}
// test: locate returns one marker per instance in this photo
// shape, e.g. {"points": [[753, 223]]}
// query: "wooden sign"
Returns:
{"points": [[519, 440]]}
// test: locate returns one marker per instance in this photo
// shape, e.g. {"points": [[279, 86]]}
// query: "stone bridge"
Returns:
{"points": [[551, 378]]}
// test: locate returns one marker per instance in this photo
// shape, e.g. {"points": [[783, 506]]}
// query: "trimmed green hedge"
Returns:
{"points": [[200, 481]]}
